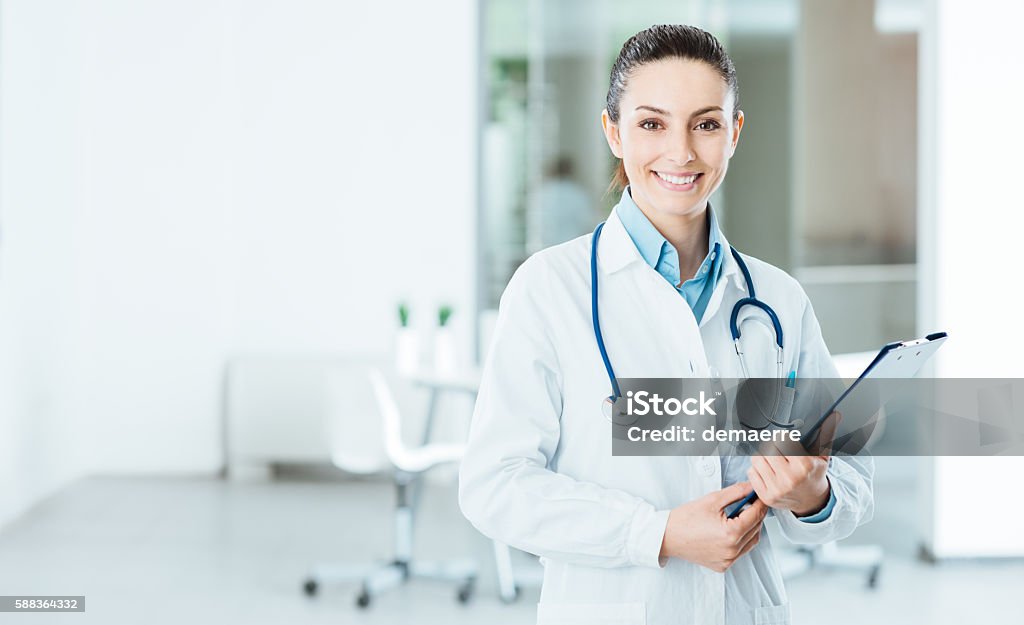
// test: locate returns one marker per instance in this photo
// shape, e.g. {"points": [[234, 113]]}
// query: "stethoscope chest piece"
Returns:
{"points": [[617, 416]]}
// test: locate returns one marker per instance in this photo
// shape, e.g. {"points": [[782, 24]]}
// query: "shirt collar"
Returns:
{"points": [[617, 250], [716, 248], [651, 244]]}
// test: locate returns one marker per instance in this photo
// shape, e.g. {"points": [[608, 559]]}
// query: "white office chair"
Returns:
{"points": [[365, 436]]}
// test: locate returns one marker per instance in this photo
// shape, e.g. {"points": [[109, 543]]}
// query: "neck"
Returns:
{"points": [[687, 233]]}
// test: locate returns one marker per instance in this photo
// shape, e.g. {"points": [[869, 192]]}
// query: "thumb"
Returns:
{"points": [[730, 494]]}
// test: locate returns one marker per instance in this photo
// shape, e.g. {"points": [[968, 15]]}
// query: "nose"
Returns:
{"points": [[681, 149]]}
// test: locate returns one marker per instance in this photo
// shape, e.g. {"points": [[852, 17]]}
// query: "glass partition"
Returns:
{"points": [[823, 184]]}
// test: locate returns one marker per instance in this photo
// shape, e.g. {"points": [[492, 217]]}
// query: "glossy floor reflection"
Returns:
{"points": [[209, 551]]}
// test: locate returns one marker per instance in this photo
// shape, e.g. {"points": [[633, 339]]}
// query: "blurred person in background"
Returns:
{"points": [[565, 211]]}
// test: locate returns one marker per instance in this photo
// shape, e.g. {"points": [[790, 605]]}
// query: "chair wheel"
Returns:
{"points": [[363, 600], [873, 577], [465, 592], [516, 591], [310, 587]]}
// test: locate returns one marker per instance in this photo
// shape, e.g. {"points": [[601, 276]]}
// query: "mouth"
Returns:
{"points": [[685, 181]]}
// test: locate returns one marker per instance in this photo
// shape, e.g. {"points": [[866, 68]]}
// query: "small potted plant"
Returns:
{"points": [[444, 341], [407, 348]]}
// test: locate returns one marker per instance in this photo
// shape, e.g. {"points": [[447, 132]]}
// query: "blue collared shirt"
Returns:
{"points": [[664, 258]]}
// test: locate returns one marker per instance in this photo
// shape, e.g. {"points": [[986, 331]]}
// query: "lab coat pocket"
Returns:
{"points": [[581, 613], [772, 615]]}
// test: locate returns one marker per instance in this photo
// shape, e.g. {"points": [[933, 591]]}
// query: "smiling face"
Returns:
{"points": [[675, 135]]}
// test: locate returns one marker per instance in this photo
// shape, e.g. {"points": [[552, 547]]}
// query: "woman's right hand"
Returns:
{"points": [[699, 531]]}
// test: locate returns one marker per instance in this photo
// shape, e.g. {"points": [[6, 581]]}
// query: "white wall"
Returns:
{"points": [[187, 180], [154, 235], [970, 236], [40, 157]]}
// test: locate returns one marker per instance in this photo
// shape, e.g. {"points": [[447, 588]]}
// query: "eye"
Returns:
{"points": [[650, 124], [708, 125]]}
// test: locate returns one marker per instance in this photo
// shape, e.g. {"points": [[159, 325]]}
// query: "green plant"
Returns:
{"points": [[403, 314], [444, 313]]}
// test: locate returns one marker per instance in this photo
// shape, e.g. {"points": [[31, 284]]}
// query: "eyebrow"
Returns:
{"points": [[706, 109]]}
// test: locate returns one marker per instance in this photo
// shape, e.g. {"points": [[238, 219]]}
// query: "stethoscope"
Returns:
{"points": [[620, 417]]}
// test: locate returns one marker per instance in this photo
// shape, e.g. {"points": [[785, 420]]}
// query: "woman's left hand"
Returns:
{"points": [[797, 481]]}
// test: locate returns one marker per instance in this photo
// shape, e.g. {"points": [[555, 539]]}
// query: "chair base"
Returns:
{"points": [[376, 580]]}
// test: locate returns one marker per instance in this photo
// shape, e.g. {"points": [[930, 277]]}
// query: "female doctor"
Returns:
{"points": [[628, 539]]}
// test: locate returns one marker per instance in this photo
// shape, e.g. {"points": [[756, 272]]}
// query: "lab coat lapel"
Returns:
{"points": [[678, 342]]}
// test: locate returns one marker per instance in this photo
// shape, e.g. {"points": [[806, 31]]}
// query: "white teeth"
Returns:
{"points": [[677, 179]]}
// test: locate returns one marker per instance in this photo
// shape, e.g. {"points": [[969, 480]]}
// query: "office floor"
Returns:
{"points": [[207, 551]]}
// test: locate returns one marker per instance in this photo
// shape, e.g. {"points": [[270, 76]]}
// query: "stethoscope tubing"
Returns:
{"points": [[750, 300], [594, 314]]}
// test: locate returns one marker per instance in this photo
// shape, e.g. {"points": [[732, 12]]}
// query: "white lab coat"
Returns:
{"points": [[539, 473]]}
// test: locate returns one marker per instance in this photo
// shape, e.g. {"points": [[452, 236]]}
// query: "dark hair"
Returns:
{"points": [[660, 42]]}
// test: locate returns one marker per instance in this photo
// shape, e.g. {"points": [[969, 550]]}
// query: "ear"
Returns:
{"points": [[737, 127], [611, 134]]}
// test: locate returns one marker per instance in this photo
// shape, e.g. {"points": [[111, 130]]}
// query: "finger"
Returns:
{"points": [[760, 486], [759, 507], [752, 517], [744, 537], [804, 466], [750, 542], [759, 513], [747, 524], [778, 464], [763, 466], [730, 494]]}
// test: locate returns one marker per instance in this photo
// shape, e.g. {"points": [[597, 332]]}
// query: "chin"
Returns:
{"points": [[679, 206]]}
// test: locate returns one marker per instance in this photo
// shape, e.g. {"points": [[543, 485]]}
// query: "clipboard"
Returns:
{"points": [[902, 359]]}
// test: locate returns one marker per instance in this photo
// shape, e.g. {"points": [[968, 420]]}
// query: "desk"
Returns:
{"points": [[463, 382]]}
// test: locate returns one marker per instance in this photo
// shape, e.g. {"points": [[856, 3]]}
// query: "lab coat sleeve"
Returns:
{"points": [[506, 488], [850, 477]]}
